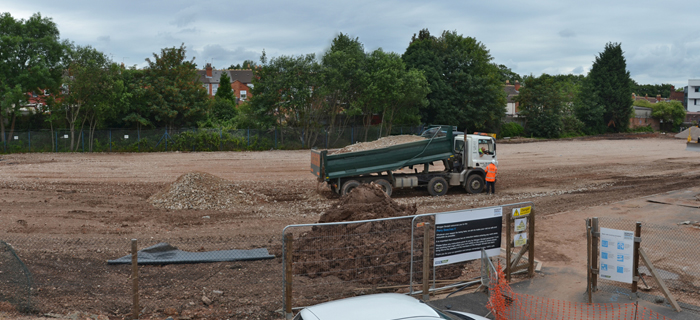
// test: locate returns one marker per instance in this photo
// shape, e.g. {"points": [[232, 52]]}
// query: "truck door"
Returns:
{"points": [[486, 151]]}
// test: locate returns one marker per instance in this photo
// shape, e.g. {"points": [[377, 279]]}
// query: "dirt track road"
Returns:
{"points": [[104, 196]]}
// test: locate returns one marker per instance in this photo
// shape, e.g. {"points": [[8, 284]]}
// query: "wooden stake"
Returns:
{"points": [[135, 279], [595, 229], [635, 259], [509, 244], [426, 262], [288, 238], [589, 253], [531, 242], [520, 254], [660, 281]]}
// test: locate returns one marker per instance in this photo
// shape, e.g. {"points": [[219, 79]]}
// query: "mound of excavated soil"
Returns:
{"points": [[201, 190], [369, 252], [378, 144]]}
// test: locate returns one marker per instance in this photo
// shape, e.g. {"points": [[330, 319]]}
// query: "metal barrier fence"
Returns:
{"points": [[506, 304], [155, 140], [330, 261], [66, 273], [674, 253]]}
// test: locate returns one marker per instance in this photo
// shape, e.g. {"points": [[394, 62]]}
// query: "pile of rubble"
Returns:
{"points": [[200, 190], [368, 252], [378, 144]]}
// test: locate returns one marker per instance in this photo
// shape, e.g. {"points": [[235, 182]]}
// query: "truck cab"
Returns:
{"points": [[473, 153]]}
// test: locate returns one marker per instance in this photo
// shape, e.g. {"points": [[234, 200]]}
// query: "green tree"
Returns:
{"points": [[608, 92], [542, 103], [285, 94], [91, 89], [671, 114], [504, 73], [342, 67], [30, 60], [465, 86], [389, 89], [132, 106], [225, 91], [175, 95]]}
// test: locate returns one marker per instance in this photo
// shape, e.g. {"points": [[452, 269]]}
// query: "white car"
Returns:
{"points": [[383, 306]]}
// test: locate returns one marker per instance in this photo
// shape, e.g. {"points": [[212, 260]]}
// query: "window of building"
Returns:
{"points": [[34, 94], [214, 87], [46, 92], [697, 89], [243, 94]]}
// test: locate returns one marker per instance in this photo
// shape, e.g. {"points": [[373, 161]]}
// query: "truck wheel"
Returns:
{"points": [[348, 186], [475, 184], [437, 186], [386, 186]]}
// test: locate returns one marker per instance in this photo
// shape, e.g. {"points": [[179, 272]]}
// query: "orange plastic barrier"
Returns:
{"points": [[506, 304]]}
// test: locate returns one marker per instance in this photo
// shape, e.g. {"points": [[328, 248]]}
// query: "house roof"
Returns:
{"points": [[512, 93], [243, 76]]}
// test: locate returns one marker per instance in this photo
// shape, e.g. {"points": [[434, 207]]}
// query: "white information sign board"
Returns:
{"points": [[616, 253], [460, 235]]}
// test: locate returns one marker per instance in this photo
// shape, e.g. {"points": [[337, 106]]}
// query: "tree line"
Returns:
{"points": [[447, 79]]}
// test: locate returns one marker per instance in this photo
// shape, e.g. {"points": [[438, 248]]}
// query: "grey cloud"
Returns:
{"points": [[577, 70], [567, 33], [672, 62], [189, 30], [224, 57], [184, 20], [528, 37]]}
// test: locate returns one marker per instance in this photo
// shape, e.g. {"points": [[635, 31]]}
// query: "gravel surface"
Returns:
{"points": [[378, 144]]}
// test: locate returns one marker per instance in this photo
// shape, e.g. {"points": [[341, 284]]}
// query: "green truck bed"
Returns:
{"points": [[332, 166]]}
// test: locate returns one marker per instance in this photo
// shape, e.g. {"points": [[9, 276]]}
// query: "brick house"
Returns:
{"points": [[241, 81]]}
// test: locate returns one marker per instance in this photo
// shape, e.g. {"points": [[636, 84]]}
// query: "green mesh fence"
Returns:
{"points": [[206, 139]]}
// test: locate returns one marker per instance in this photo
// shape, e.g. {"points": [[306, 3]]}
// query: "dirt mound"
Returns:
{"points": [[378, 144], [201, 190], [365, 202], [369, 252]]}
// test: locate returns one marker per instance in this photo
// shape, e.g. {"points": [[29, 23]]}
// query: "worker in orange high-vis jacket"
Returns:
{"points": [[491, 170]]}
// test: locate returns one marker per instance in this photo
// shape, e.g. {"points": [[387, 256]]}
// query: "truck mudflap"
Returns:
{"points": [[317, 160]]}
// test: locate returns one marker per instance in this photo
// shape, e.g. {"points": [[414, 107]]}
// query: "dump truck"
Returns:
{"points": [[463, 164]]}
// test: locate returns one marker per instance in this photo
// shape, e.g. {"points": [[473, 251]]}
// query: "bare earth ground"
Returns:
{"points": [[92, 204]]}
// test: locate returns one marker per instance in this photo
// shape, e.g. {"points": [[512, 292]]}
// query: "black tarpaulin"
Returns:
{"points": [[164, 253]]}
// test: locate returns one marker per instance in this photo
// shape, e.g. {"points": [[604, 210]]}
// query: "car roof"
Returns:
{"points": [[383, 306]]}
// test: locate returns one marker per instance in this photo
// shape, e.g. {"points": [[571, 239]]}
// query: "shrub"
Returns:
{"points": [[512, 129]]}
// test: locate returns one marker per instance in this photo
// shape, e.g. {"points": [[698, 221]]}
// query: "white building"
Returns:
{"points": [[693, 101]]}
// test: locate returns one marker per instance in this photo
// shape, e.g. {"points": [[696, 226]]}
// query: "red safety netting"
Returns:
{"points": [[506, 304]]}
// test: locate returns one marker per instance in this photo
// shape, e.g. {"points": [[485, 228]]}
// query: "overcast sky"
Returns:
{"points": [[661, 40]]}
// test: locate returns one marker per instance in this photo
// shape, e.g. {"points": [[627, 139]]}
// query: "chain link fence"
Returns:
{"points": [[155, 140], [673, 251], [62, 274]]}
